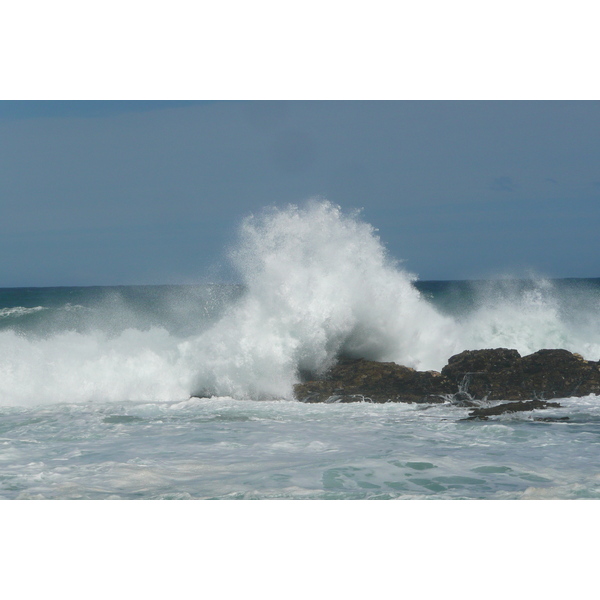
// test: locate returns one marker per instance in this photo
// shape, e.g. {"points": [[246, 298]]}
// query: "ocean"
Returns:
{"points": [[185, 391]]}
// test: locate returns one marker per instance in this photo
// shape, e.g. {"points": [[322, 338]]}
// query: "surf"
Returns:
{"points": [[314, 283]]}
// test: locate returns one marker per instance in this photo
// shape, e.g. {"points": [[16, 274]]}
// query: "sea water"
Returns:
{"points": [[181, 392]]}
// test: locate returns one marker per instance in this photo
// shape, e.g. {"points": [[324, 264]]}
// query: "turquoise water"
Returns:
{"points": [[95, 386], [239, 449]]}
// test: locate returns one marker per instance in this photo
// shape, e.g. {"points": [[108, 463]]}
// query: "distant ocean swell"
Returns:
{"points": [[316, 284]]}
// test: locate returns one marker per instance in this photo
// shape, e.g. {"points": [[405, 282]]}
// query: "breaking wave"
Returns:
{"points": [[318, 284], [19, 311]]}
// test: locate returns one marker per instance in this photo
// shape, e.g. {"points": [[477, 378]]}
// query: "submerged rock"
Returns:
{"points": [[469, 377], [510, 407]]}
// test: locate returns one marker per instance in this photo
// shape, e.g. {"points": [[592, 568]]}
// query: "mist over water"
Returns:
{"points": [[95, 383], [317, 283]]}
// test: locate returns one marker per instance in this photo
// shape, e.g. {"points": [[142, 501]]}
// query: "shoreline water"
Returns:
{"points": [[97, 411], [95, 382], [222, 448]]}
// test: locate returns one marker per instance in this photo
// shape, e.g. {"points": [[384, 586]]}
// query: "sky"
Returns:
{"points": [[101, 193], [152, 192]]}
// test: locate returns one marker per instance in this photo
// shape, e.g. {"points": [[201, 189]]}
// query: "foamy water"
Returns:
{"points": [[318, 283], [235, 449], [95, 383]]}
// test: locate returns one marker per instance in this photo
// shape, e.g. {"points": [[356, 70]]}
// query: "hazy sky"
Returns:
{"points": [[152, 192]]}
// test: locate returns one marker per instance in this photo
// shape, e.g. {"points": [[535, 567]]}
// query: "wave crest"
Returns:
{"points": [[318, 284]]}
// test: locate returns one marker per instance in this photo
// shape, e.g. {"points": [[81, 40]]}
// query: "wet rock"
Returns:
{"points": [[510, 407], [464, 399], [358, 380], [560, 373], [469, 378], [502, 374], [484, 361]]}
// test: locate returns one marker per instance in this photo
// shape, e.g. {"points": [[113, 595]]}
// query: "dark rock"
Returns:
{"points": [[469, 378], [464, 399], [502, 374], [475, 361], [510, 407], [561, 374], [356, 380], [490, 374]]}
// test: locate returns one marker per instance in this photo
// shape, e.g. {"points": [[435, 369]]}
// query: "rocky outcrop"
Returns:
{"points": [[356, 380], [510, 407], [503, 374], [471, 376]]}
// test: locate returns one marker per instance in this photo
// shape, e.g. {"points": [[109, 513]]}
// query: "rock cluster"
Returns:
{"points": [[496, 374], [356, 380], [503, 374]]}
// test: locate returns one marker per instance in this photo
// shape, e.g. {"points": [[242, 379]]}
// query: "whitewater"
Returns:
{"points": [[187, 391]]}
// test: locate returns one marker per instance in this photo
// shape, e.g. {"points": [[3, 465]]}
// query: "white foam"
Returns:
{"points": [[319, 283], [19, 311], [75, 367], [532, 319]]}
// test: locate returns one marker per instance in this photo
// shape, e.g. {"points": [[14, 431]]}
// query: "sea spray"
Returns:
{"points": [[74, 367], [532, 314], [125, 344], [319, 285], [316, 284]]}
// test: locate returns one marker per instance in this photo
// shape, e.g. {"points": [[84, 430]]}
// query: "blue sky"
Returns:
{"points": [[100, 193]]}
